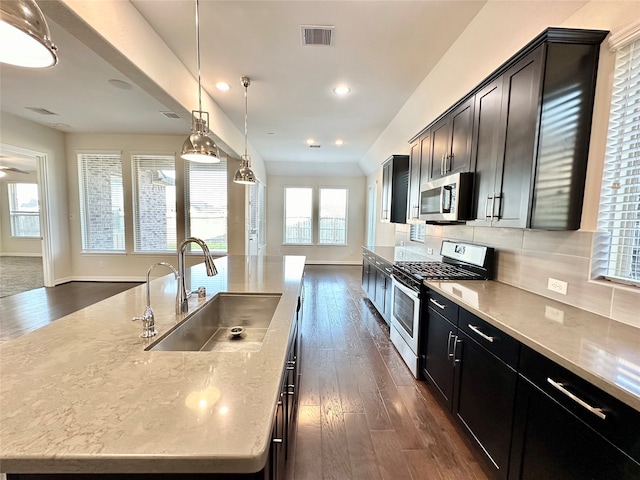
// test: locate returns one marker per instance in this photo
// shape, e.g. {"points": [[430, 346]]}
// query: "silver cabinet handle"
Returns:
{"points": [[442, 165], [483, 335], [486, 206], [455, 348], [451, 335], [595, 410], [493, 205], [448, 164], [439, 305]]}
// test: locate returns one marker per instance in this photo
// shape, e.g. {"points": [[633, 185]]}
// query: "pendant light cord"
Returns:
{"points": [[245, 118], [198, 57]]}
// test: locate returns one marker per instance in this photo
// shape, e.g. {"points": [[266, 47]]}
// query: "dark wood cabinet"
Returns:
{"points": [[531, 133], [557, 437], [368, 273], [395, 187], [470, 366], [450, 147], [376, 283], [413, 196]]}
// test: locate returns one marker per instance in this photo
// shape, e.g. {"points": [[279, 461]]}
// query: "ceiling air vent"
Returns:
{"points": [[41, 111], [170, 114], [317, 35], [314, 145]]}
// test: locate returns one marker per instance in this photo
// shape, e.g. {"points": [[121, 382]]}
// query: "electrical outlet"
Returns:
{"points": [[557, 286], [554, 314], [100, 264], [429, 251]]}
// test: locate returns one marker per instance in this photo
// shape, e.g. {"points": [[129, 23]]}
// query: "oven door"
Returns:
{"points": [[405, 318]]}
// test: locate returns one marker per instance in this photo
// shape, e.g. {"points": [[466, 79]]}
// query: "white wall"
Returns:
{"points": [[22, 133], [356, 219], [130, 265]]}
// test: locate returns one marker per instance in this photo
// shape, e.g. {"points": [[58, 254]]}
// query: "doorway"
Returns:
{"points": [[27, 167]]}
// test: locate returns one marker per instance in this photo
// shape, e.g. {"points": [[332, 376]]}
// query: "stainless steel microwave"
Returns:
{"points": [[447, 199]]}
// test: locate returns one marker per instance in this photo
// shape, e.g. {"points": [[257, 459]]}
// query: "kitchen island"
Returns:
{"points": [[81, 395]]}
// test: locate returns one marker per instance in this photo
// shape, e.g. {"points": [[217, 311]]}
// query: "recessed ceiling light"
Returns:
{"points": [[222, 86], [339, 142], [121, 84], [310, 141], [341, 90]]}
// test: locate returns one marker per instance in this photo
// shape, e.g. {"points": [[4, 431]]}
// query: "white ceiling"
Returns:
{"points": [[382, 50]]}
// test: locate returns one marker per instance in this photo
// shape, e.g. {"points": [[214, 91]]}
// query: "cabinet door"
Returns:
{"points": [[440, 148], [458, 159], [551, 443], [485, 397], [520, 104], [413, 197], [387, 299], [425, 157], [366, 267], [380, 289], [489, 130], [438, 364]]}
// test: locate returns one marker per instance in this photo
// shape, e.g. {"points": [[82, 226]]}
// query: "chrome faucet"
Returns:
{"points": [[181, 299], [147, 318]]}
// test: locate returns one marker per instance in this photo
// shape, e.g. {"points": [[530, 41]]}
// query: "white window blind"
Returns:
{"points": [[416, 232], [262, 215], [101, 201], [154, 203], [297, 214], [24, 209], [206, 204], [371, 215], [332, 225], [620, 197]]}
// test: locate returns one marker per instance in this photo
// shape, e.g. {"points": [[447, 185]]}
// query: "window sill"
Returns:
{"points": [[616, 283]]}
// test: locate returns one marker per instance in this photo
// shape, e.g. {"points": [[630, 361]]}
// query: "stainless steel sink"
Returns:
{"points": [[210, 329]]}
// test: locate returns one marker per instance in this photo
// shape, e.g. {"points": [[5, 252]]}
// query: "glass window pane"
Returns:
{"points": [[297, 213], [206, 204], [101, 202], [333, 216], [24, 209], [154, 203]]}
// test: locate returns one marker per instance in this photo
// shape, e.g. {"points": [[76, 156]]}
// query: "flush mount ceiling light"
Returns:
{"points": [[341, 90], [245, 175], [199, 146], [310, 141], [25, 39], [223, 86], [339, 142]]}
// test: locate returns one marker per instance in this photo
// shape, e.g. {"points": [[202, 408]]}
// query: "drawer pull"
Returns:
{"points": [[451, 335], [439, 305], [483, 335], [595, 410]]}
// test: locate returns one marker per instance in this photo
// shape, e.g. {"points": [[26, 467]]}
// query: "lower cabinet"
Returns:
{"points": [[566, 428], [376, 283], [465, 362], [531, 418]]}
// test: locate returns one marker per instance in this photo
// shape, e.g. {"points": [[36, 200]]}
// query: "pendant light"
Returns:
{"points": [[245, 175], [25, 39], [199, 146]]}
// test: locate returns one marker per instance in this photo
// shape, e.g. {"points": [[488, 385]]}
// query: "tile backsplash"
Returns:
{"points": [[527, 258]]}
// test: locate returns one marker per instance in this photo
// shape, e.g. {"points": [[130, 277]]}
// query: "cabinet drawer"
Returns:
{"points": [[445, 307], [493, 339], [621, 423]]}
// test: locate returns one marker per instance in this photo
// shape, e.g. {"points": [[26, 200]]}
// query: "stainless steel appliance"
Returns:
{"points": [[447, 199], [460, 261]]}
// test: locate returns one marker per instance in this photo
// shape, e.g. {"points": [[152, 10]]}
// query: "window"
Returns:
{"points": [[332, 224], [262, 215], [257, 212], [206, 204], [24, 209], [416, 232], [154, 203], [371, 215], [101, 202], [297, 215], [620, 197]]}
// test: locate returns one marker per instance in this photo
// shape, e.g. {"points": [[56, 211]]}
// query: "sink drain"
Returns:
{"points": [[236, 332]]}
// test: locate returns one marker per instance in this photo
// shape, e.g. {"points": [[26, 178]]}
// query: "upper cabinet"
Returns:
{"points": [[413, 196], [395, 186], [525, 132]]}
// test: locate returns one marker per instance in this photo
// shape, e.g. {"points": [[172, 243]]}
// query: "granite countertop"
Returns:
{"points": [[82, 395], [596, 348]]}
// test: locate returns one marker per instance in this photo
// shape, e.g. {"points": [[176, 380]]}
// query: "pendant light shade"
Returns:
{"points": [[199, 146], [25, 39], [244, 175]]}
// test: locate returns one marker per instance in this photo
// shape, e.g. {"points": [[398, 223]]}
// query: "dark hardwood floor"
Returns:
{"points": [[362, 415], [30, 310]]}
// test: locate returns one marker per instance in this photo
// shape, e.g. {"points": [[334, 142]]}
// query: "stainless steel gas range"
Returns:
{"points": [[460, 261]]}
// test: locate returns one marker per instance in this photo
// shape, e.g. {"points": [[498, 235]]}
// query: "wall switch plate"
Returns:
{"points": [[557, 286]]}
